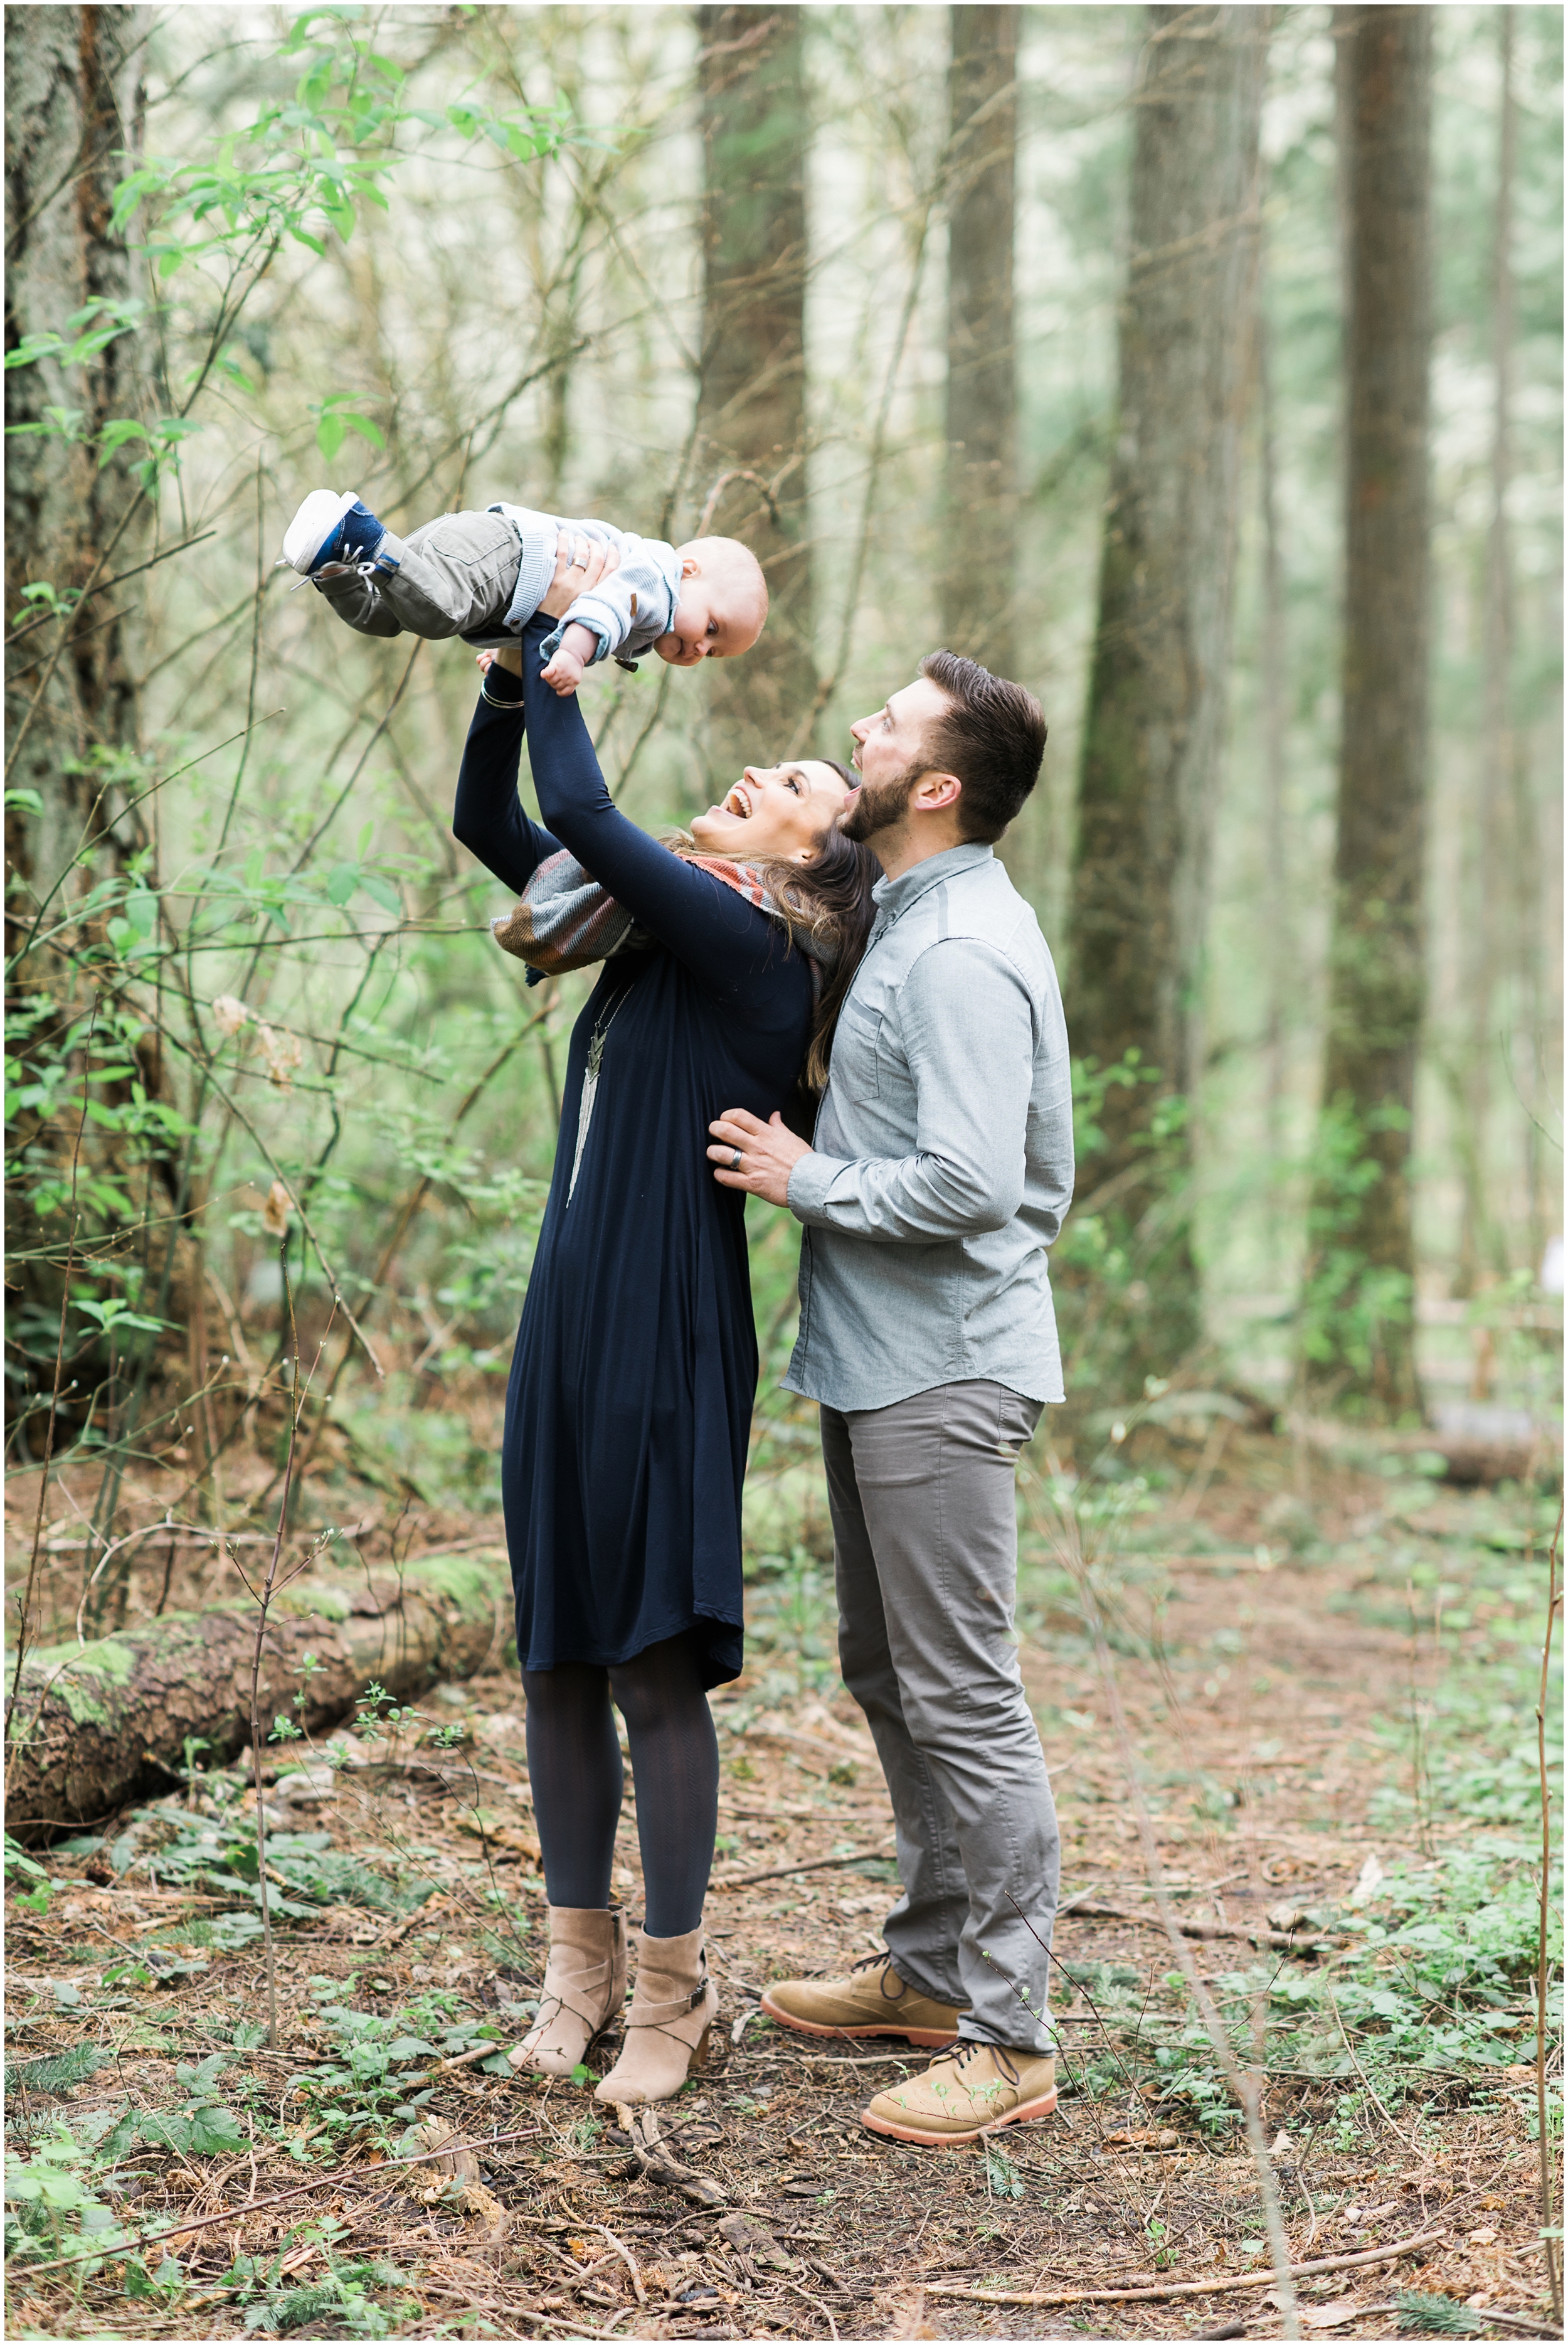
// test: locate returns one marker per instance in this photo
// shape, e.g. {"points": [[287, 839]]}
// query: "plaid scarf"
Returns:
{"points": [[565, 919]]}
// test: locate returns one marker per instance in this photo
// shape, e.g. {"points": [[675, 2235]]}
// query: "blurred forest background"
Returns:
{"points": [[1069, 336]]}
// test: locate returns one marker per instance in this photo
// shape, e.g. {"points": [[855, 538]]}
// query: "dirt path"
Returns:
{"points": [[1293, 1715]]}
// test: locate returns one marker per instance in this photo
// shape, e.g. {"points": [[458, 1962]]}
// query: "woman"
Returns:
{"points": [[629, 1408]]}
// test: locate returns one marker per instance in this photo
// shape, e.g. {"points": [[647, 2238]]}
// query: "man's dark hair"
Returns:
{"points": [[992, 734]]}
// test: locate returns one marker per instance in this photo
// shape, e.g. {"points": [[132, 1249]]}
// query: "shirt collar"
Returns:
{"points": [[895, 896]]}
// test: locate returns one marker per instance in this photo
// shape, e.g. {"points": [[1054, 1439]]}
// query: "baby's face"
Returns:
{"points": [[716, 618]]}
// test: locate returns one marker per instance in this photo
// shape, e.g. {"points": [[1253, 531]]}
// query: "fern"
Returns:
{"points": [[1435, 2316], [60, 2071]]}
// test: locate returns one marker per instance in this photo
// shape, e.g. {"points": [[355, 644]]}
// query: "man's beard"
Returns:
{"points": [[879, 806]]}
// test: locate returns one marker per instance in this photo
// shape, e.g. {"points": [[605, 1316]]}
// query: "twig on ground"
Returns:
{"points": [[628, 2258], [1288, 1943], [1551, 2239], [817, 2305], [785, 1872], [1371, 2089], [264, 1599], [1159, 2289], [1069, 1546], [25, 1609], [651, 2157]]}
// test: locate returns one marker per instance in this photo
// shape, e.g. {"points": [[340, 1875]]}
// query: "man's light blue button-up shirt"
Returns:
{"points": [[942, 1163]]}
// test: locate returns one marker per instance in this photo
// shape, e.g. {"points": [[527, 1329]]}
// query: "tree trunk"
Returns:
{"points": [[1275, 683], [1361, 1275], [74, 128], [73, 115], [751, 408], [1497, 853], [980, 536], [1154, 731], [93, 1723]]}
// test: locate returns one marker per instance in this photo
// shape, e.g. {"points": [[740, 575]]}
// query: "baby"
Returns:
{"points": [[482, 575]]}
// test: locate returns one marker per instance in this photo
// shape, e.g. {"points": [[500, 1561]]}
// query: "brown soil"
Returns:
{"points": [[1258, 1738]]}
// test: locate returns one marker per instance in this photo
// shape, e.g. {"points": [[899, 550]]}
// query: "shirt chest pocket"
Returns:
{"points": [[854, 1052]]}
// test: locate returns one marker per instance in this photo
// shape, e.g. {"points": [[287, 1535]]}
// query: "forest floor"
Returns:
{"points": [[1327, 1676]]}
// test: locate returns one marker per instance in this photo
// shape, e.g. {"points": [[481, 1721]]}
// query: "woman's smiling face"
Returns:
{"points": [[774, 810]]}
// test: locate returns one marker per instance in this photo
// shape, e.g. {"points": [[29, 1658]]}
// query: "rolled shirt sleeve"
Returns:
{"points": [[971, 1074]]}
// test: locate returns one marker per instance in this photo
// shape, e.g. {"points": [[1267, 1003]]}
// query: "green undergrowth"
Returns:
{"points": [[69, 2170], [1436, 1982]]}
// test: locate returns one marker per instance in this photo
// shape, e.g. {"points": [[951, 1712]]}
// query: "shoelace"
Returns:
{"points": [[971, 2052], [893, 1988]]}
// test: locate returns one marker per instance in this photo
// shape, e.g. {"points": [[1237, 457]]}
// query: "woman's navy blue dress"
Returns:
{"points": [[628, 1408]]}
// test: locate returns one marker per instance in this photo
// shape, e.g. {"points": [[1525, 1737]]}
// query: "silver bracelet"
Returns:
{"points": [[486, 694]]}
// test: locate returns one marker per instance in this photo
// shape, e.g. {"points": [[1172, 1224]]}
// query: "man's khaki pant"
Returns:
{"points": [[926, 1551]]}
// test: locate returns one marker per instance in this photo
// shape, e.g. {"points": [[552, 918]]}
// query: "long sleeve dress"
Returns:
{"points": [[629, 1407]]}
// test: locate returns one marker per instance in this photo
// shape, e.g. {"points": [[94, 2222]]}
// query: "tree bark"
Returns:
{"points": [[93, 1723], [979, 550], [1499, 858], [74, 114], [1361, 1274], [1274, 689], [74, 128], [751, 407], [1154, 733]]}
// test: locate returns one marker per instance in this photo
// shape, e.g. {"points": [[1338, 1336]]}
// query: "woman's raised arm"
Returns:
{"points": [[488, 817], [722, 939]]}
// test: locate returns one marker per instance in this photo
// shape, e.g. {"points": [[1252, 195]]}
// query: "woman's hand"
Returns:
{"points": [[580, 564], [509, 657]]}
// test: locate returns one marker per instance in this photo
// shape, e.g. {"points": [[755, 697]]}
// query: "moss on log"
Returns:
{"points": [[97, 1725]]}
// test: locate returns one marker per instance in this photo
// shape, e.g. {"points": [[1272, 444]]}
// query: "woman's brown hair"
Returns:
{"points": [[831, 898]]}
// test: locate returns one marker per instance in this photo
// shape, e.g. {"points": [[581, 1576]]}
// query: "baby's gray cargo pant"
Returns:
{"points": [[926, 1541], [453, 576]]}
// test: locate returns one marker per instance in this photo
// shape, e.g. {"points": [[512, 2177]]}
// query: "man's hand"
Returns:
{"points": [[755, 1156]]}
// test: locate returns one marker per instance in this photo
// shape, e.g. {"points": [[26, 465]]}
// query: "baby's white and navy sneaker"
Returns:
{"points": [[330, 527]]}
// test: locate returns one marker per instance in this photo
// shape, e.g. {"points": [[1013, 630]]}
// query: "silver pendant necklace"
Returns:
{"points": [[590, 1086]]}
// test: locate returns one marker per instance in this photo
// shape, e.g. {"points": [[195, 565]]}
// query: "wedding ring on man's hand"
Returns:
{"points": [[736, 1162]]}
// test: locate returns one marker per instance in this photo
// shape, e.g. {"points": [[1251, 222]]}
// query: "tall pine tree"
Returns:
{"points": [[979, 548], [1360, 1317], [1149, 780], [750, 471]]}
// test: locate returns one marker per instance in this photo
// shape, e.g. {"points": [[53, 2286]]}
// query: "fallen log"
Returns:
{"points": [[96, 1726]]}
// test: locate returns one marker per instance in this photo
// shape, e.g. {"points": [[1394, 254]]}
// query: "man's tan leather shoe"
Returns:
{"points": [[872, 2001], [970, 2092]]}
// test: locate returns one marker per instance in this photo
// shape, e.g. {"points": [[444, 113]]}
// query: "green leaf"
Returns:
{"points": [[381, 891], [213, 2130], [341, 882], [329, 435], [366, 430]]}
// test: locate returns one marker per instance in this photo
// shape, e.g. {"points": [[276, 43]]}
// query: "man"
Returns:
{"points": [[941, 1168]]}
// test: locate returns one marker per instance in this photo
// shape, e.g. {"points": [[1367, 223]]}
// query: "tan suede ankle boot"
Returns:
{"points": [[672, 2008], [584, 1988]]}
